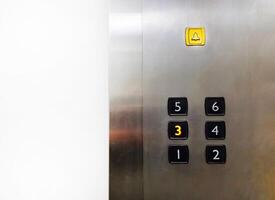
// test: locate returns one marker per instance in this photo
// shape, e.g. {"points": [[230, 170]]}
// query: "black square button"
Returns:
{"points": [[178, 130], [178, 154], [177, 106], [215, 130], [215, 154], [214, 106]]}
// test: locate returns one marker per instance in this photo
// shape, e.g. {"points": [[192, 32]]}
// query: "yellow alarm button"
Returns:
{"points": [[195, 36]]}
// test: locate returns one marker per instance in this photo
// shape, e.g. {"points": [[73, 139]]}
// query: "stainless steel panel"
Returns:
{"points": [[149, 65], [237, 63], [126, 144]]}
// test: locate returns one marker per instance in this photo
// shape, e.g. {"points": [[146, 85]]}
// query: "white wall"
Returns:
{"points": [[53, 100]]}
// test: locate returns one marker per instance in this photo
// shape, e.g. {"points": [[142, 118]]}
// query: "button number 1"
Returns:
{"points": [[178, 154]]}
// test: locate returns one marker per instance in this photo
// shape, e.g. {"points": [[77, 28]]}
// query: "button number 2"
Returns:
{"points": [[215, 154], [216, 157]]}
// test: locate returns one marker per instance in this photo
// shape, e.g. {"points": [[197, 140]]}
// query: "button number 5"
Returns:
{"points": [[177, 106]]}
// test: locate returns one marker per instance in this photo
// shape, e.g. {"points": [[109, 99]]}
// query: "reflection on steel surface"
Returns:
{"points": [[126, 143], [126, 160]]}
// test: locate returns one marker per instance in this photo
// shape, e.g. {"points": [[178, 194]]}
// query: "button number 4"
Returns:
{"points": [[215, 130]]}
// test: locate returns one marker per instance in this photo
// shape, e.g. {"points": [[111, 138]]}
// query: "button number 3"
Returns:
{"points": [[178, 130]]}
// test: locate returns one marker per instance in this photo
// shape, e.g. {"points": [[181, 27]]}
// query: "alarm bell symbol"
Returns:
{"points": [[195, 37]]}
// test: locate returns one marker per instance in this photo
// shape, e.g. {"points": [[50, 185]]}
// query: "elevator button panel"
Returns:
{"points": [[215, 130], [178, 130], [215, 154], [178, 154], [214, 106], [177, 106], [195, 36]]}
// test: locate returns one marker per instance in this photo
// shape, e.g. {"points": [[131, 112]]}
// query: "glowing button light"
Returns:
{"points": [[195, 36]]}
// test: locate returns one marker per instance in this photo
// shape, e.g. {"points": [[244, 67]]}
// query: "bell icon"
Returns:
{"points": [[195, 37]]}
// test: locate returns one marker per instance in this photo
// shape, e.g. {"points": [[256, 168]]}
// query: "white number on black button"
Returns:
{"points": [[215, 130], [215, 154], [214, 106], [177, 106]]}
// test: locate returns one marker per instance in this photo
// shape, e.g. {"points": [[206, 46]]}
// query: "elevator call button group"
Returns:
{"points": [[195, 36], [179, 130]]}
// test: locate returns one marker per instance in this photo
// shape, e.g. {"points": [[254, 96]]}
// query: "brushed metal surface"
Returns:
{"points": [[151, 63], [125, 89], [237, 63]]}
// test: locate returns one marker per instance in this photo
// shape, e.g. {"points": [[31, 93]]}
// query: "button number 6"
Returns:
{"points": [[215, 107]]}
